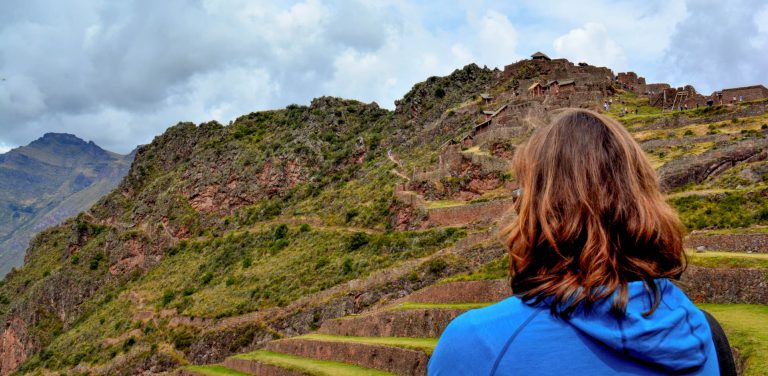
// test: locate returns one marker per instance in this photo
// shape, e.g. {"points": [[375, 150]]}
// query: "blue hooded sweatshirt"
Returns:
{"points": [[515, 338]]}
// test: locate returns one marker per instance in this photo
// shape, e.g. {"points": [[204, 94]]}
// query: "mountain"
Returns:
{"points": [[49, 180], [221, 239]]}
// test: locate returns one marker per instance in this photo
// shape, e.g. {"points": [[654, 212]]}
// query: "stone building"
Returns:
{"points": [[540, 56], [676, 98], [559, 82], [745, 93], [536, 90], [632, 82], [566, 86]]}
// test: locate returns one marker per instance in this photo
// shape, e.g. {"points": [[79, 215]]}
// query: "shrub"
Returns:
{"points": [[358, 240], [278, 245], [346, 266], [247, 262], [440, 92], [182, 338], [96, 260], [304, 227], [280, 231], [688, 132], [128, 344], [437, 266], [321, 262], [351, 214], [168, 296], [230, 281], [207, 277]]}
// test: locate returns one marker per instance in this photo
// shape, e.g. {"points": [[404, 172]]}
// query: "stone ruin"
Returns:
{"points": [[663, 96], [560, 83]]}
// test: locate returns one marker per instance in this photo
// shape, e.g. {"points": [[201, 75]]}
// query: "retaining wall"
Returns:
{"points": [[757, 243], [465, 214]]}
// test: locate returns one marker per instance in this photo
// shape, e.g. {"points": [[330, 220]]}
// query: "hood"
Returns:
{"points": [[675, 337]]}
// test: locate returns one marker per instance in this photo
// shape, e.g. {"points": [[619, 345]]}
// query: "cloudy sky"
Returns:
{"points": [[120, 72]]}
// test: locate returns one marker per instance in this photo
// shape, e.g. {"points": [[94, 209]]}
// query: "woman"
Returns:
{"points": [[591, 253]]}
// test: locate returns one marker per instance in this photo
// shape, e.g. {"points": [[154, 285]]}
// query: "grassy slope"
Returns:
{"points": [[311, 366], [214, 370], [726, 201], [236, 263], [745, 326], [422, 344]]}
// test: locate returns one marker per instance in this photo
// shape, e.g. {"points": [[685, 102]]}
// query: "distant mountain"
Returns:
{"points": [[49, 180]]}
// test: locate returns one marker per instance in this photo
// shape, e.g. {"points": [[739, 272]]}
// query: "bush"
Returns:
{"points": [[182, 338], [207, 277], [304, 228], [346, 266], [351, 214], [168, 296], [278, 245], [96, 260], [128, 344], [437, 266], [321, 262], [688, 133], [358, 240], [440, 92], [280, 231]]}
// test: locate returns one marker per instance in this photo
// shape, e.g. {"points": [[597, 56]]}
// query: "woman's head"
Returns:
{"points": [[590, 215]]}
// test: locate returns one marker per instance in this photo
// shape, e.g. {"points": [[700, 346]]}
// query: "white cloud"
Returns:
{"points": [[719, 45], [591, 43], [496, 40], [119, 73], [761, 20], [4, 148]]}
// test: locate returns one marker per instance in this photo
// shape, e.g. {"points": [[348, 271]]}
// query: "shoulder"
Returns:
{"points": [[473, 340]]}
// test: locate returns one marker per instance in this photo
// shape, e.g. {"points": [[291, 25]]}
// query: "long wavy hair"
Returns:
{"points": [[591, 217]]}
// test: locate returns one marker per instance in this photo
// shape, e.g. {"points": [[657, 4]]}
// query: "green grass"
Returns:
{"points": [[462, 306], [444, 204], [730, 209], [214, 370], [311, 366], [421, 344], [746, 328], [715, 259], [496, 269], [732, 231], [476, 150]]}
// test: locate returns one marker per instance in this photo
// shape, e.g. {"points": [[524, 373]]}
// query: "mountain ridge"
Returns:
{"points": [[52, 178]]}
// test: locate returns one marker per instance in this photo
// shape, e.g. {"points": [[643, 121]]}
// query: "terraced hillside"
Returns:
{"points": [[399, 338], [244, 239]]}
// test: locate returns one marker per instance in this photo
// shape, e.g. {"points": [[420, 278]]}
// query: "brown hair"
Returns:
{"points": [[590, 218]]}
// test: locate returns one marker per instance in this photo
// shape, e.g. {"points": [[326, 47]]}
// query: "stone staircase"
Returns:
{"points": [[393, 340]]}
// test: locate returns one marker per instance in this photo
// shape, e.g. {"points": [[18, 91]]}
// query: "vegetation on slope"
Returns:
{"points": [[214, 222]]}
